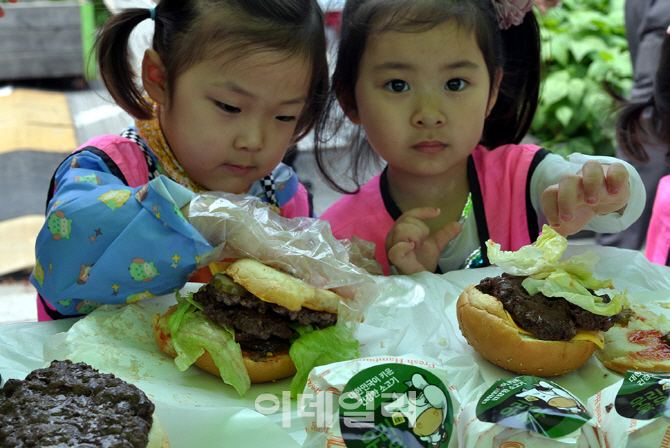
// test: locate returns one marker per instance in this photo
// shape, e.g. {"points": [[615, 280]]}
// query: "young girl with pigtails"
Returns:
{"points": [[443, 91], [226, 87]]}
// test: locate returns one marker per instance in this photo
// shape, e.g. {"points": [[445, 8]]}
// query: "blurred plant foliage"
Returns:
{"points": [[583, 45]]}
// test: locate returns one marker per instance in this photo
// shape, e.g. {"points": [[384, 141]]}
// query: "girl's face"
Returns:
{"points": [[422, 98], [229, 122]]}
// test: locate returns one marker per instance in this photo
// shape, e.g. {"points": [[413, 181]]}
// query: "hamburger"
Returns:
{"points": [[68, 404], [255, 324], [540, 317]]}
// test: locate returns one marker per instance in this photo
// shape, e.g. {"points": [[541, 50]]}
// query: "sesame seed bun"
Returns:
{"points": [[275, 286]]}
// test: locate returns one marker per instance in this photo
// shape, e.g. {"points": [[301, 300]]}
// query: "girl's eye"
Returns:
{"points": [[228, 108], [286, 118], [397, 85], [455, 84]]}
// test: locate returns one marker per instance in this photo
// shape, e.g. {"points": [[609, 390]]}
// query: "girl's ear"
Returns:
{"points": [[153, 77], [348, 105], [493, 97]]}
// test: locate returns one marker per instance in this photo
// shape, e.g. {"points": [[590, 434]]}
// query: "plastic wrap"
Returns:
{"points": [[240, 226]]}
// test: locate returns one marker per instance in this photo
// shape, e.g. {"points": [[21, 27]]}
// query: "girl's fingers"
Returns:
{"points": [[593, 178], [402, 257], [566, 199], [445, 234], [421, 213], [617, 177], [551, 210], [550, 205], [410, 227]]}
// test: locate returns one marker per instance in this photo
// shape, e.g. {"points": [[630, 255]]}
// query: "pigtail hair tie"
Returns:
{"points": [[152, 13], [511, 12]]}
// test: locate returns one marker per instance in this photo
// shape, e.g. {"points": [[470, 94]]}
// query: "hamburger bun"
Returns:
{"points": [[269, 368], [487, 328], [157, 436], [275, 286]]}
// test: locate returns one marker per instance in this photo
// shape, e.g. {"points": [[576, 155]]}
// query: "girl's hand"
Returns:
{"points": [[409, 245], [597, 190]]}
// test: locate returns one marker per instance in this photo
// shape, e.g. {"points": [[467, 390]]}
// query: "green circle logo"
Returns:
{"points": [[396, 405]]}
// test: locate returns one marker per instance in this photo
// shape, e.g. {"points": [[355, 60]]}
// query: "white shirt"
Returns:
{"points": [[548, 172]]}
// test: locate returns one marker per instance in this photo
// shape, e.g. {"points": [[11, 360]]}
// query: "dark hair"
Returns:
{"points": [[515, 52], [635, 127], [189, 31]]}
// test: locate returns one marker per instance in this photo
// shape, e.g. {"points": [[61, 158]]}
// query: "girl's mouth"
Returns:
{"points": [[429, 147], [239, 170]]}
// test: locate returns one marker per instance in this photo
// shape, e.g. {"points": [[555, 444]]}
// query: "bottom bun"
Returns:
{"points": [[484, 324], [261, 369], [157, 436]]}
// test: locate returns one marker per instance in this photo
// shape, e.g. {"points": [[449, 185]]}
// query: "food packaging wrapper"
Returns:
{"points": [[527, 411], [240, 226], [406, 401], [635, 412]]}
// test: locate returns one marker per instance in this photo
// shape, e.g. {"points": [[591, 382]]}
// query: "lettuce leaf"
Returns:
{"points": [[529, 259], [561, 284], [192, 334], [318, 348], [571, 279]]}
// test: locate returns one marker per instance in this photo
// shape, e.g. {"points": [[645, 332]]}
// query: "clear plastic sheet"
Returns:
{"points": [[242, 226]]}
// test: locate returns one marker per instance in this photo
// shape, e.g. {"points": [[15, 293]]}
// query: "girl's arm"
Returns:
{"points": [[106, 243], [612, 212]]}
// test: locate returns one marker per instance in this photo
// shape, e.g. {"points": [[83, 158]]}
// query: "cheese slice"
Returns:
{"points": [[582, 335]]}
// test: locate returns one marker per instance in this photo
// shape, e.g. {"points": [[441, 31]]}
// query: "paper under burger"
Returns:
{"points": [[286, 298], [542, 316]]}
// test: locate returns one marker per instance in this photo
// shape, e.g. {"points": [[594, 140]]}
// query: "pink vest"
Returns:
{"points": [[502, 176], [658, 234]]}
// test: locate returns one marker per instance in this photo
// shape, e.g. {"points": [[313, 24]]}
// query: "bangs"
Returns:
{"points": [[418, 16]]}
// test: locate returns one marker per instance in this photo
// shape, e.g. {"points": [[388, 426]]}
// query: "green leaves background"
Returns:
{"points": [[583, 45]]}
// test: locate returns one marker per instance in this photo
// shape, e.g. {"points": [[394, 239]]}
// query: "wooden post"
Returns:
{"points": [[43, 39]]}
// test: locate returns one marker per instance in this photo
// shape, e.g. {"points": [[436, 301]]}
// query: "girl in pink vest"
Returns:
{"points": [[443, 92], [649, 122], [225, 88]]}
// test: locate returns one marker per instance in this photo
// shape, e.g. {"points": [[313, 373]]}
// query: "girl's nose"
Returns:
{"points": [[428, 112], [249, 139]]}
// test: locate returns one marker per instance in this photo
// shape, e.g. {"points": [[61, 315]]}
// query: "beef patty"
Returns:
{"points": [[547, 318], [71, 404], [259, 325]]}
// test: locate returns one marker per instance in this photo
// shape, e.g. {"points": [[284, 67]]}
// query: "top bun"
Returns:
{"points": [[486, 327], [274, 286]]}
